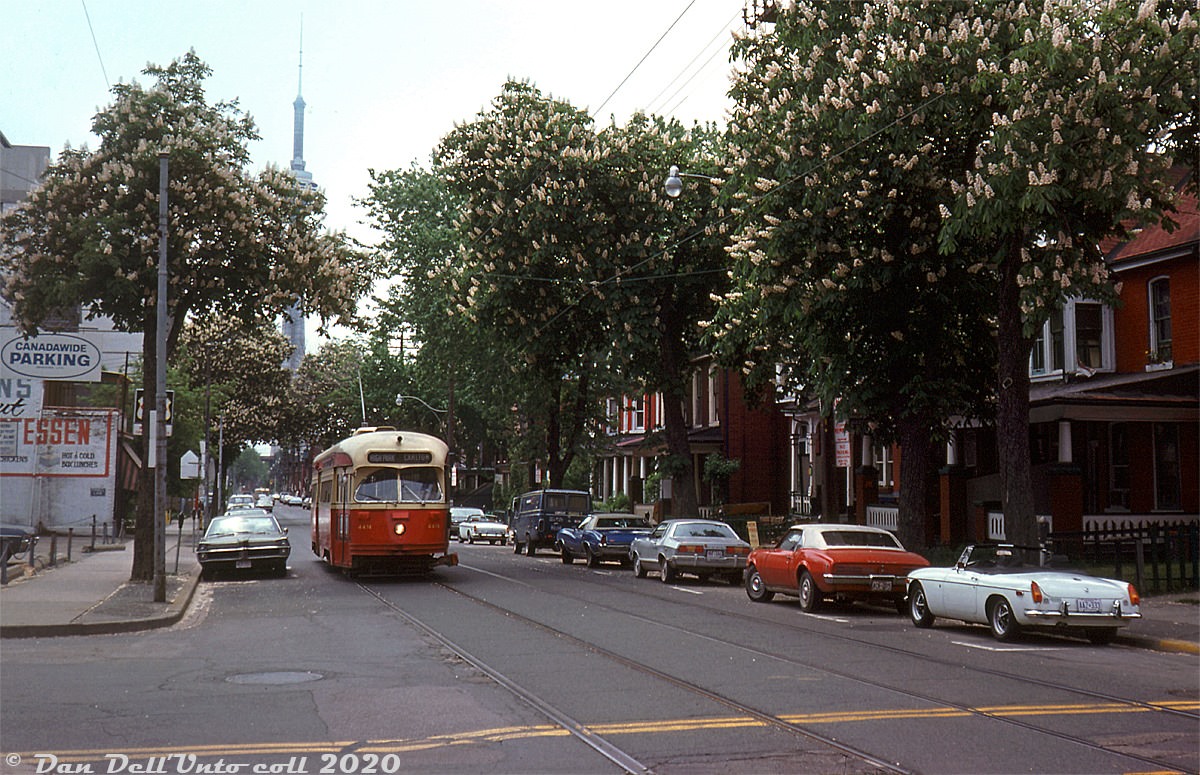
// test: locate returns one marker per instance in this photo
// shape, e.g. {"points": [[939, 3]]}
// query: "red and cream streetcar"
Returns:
{"points": [[379, 503]]}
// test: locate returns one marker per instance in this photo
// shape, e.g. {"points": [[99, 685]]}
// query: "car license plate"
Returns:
{"points": [[881, 585], [1087, 605], [242, 564], [716, 554]]}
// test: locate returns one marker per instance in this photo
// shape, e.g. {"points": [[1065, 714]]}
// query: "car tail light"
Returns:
{"points": [[1035, 591], [1134, 597], [737, 550], [690, 549]]}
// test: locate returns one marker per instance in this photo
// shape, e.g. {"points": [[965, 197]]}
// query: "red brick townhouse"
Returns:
{"points": [[722, 421], [1114, 415], [1114, 402]]}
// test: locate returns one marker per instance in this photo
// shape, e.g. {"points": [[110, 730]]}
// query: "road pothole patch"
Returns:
{"points": [[275, 678]]}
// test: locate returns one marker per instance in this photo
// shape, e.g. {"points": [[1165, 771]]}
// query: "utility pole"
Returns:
{"points": [[160, 394]]}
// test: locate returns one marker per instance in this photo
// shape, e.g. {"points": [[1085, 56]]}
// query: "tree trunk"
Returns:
{"points": [[684, 501], [674, 374], [1012, 411], [143, 531], [916, 446], [554, 468]]}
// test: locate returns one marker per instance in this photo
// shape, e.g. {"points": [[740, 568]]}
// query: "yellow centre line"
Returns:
{"points": [[502, 734]]}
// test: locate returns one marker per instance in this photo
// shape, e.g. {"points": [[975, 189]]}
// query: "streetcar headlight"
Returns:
{"points": [[399, 528]]}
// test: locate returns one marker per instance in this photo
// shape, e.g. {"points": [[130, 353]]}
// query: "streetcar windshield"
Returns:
{"points": [[403, 485]]}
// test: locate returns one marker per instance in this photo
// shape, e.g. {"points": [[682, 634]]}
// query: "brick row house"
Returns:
{"points": [[1114, 421], [722, 420]]}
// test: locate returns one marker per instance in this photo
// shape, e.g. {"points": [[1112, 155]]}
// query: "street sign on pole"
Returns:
{"points": [[139, 411]]}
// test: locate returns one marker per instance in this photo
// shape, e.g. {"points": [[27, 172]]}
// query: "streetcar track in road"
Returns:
{"points": [[652, 590], [590, 734], [606, 749], [1187, 711]]}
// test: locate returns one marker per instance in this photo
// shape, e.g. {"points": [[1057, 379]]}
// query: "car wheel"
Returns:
{"points": [[592, 560], [810, 596], [666, 572], [639, 570], [1003, 621], [503, 541], [530, 549], [918, 606], [566, 556], [1101, 636], [756, 590]]}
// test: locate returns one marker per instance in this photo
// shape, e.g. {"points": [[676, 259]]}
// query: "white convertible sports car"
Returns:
{"points": [[1009, 589]]}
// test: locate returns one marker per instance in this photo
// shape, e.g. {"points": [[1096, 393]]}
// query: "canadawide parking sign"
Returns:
{"points": [[50, 356]]}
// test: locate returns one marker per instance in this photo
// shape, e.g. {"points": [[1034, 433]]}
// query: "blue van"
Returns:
{"points": [[539, 515]]}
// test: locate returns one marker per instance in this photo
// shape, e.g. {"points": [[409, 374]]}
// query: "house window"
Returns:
{"points": [[1160, 320], [1047, 356], [1077, 338], [1166, 467], [637, 411], [699, 394], [712, 397], [886, 467], [1089, 335], [613, 416], [1118, 467]]}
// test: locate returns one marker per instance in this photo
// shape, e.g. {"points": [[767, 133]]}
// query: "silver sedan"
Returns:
{"points": [[701, 547]]}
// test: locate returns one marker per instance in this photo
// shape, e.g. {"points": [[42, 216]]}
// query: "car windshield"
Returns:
{"points": [[392, 485], [1009, 558], [867, 538], [241, 524], [705, 531]]}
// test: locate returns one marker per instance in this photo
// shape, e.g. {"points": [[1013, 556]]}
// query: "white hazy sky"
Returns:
{"points": [[384, 80]]}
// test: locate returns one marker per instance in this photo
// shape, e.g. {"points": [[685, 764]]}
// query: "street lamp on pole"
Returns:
{"points": [[674, 182], [400, 399]]}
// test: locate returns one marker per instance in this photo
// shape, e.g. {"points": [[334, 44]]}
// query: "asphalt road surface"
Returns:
{"points": [[514, 664]]}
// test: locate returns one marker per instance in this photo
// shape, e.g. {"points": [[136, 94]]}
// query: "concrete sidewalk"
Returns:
{"points": [[93, 595]]}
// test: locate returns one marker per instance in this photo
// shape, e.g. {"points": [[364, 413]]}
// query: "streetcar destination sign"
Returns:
{"points": [[399, 457]]}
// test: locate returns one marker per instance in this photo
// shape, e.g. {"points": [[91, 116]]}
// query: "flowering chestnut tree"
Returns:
{"points": [[914, 161], [247, 245], [537, 245]]}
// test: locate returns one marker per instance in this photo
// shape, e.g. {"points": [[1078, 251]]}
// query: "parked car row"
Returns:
{"points": [[1007, 588]]}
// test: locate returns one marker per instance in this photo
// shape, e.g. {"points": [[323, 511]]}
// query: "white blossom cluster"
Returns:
{"points": [[1026, 123]]}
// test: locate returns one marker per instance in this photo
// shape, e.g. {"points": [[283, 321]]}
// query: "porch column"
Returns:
{"points": [[1066, 485], [952, 497], [1064, 442]]}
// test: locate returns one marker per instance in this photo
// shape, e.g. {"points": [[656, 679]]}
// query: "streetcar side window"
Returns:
{"points": [[406, 485]]}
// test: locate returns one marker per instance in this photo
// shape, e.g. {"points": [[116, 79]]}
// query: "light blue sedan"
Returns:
{"points": [[701, 547]]}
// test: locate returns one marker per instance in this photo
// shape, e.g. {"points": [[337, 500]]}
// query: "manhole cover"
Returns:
{"points": [[275, 678]]}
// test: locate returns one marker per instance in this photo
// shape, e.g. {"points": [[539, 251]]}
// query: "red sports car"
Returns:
{"points": [[842, 562]]}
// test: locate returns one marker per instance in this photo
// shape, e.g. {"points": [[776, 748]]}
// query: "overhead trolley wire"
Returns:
{"points": [[725, 30], [643, 59]]}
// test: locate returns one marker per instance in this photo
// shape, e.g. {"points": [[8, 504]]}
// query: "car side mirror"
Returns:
{"points": [[285, 531]]}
